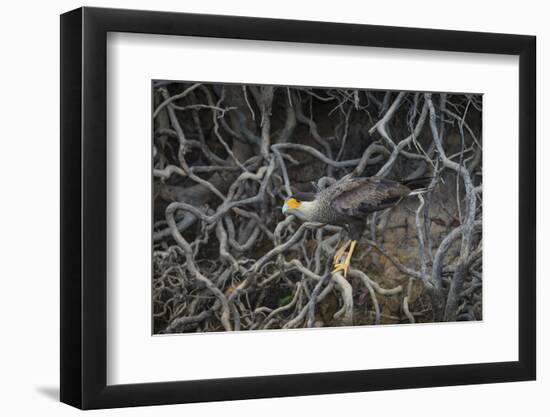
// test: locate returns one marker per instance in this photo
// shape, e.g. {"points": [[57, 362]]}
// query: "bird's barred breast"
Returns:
{"points": [[325, 213]]}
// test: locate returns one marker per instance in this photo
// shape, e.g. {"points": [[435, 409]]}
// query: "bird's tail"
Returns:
{"points": [[419, 185]]}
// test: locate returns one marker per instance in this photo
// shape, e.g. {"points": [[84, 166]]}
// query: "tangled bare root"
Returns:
{"points": [[225, 158]]}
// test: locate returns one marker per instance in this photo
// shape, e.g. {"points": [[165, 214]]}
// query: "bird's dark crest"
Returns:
{"points": [[303, 196]]}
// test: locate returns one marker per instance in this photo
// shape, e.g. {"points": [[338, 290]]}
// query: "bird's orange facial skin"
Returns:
{"points": [[292, 203]]}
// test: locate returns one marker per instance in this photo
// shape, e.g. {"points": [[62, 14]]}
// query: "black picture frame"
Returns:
{"points": [[84, 207]]}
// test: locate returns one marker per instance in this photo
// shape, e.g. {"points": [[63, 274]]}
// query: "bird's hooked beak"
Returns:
{"points": [[291, 205]]}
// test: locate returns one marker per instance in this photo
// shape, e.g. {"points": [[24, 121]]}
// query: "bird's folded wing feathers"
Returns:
{"points": [[360, 196]]}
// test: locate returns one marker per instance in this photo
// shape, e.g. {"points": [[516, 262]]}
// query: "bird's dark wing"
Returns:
{"points": [[359, 196]]}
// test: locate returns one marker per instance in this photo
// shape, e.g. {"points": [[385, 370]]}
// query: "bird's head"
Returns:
{"points": [[292, 204], [301, 205]]}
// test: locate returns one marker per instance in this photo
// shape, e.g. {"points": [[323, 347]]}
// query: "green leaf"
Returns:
{"points": [[285, 300]]}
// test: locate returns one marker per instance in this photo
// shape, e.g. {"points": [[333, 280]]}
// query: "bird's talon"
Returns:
{"points": [[340, 253], [344, 266], [341, 267]]}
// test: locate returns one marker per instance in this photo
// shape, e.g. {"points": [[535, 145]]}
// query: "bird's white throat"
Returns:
{"points": [[307, 208]]}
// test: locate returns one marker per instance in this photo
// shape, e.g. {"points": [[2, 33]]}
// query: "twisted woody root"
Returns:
{"points": [[225, 258]]}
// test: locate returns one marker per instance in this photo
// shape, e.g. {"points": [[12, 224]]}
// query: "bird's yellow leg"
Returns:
{"points": [[340, 252], [345, 266]]}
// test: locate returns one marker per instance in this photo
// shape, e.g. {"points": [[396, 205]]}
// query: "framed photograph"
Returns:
{"points": [[257, 208]]}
